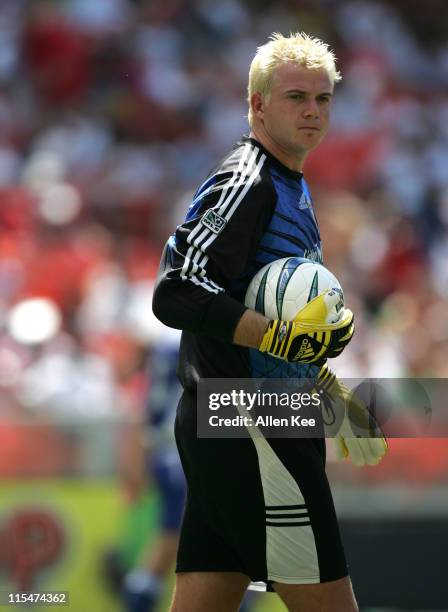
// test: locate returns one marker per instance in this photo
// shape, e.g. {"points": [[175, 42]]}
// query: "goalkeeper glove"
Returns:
{"points": [[309, 338], [371, 446]]}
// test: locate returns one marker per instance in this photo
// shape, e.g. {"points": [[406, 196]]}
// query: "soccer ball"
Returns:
{"points": [[282, 288]]}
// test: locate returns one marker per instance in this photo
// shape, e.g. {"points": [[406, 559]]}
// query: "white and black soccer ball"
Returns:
{"points": [[282, 288]]}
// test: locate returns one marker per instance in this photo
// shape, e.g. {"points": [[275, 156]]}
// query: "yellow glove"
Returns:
{"points": [[367, 449], [310, 337]]}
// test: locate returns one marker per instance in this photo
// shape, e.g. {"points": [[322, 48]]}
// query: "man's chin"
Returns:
{"points": [[308, 144]]}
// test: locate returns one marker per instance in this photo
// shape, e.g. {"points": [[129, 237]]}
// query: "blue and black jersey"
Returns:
{"points": [[251, 210]]}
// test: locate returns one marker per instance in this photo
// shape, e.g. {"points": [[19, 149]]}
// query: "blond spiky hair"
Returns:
{"points": [[298, 48]]}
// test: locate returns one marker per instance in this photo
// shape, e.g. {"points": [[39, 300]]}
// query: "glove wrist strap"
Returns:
{"points": [[326, 378], [275, 339]]}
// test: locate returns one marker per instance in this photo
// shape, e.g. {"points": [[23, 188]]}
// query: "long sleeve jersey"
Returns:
{"points": [[250, 211]]}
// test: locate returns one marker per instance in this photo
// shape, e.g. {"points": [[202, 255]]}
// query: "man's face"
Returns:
{"points": [[295, 116]]}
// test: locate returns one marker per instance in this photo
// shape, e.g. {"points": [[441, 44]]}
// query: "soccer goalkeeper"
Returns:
{"points": [[259, 510]]}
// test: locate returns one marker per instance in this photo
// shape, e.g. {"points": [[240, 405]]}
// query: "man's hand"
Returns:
{"points": [[349, 413], [309, 338]]}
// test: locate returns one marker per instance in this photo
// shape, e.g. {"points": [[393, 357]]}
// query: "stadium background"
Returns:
{"points": [[111, 111]]}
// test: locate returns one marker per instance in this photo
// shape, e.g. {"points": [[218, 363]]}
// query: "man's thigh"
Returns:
{"points": [[206, 591], [334, 596]]}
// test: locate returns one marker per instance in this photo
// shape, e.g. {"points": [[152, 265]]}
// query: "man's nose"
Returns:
{"points": [[311, 109]]}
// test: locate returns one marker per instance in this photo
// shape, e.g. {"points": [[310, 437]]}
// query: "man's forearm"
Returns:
{"points": [[250, 329]]}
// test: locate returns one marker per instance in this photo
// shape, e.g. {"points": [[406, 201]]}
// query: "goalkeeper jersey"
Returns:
{"points": [[250, 211]]}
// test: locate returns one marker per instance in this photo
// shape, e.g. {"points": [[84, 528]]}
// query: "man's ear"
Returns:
{"points": [[257, 105]]}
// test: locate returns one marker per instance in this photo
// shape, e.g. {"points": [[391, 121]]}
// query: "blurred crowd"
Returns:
{"points": [[112, 111]]}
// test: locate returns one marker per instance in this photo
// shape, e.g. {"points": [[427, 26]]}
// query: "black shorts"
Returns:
{"points": [[256, 506]]}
